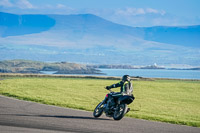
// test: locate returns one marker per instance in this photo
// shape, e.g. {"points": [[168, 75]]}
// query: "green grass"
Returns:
{"points": [[170, 101]]}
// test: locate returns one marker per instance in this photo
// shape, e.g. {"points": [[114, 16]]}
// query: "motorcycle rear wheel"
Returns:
{"points": [[98, 110], [120, 112]]}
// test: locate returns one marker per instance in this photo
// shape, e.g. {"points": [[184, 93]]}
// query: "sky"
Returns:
{"points": [[136, 13]]}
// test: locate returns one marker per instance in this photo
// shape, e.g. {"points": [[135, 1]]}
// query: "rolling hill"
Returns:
{"points": [[27, 66]]}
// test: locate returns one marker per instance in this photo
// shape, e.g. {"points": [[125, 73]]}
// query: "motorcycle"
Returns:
{"points": [[115, 107]]}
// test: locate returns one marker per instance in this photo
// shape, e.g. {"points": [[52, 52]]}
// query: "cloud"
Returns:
{"points": [[131, 16], [151, 10], [54, 9], [134, 16], [138, 11], [60, 6], [22, 4], [130, 11], [141, 17], [6, 3], [57, 7]]}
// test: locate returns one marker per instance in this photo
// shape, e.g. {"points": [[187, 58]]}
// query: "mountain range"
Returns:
{"points": [[86, 38]]}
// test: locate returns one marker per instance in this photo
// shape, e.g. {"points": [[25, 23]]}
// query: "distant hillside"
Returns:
{"points": [[83, 24], [14, 25], [185, 36], [27, 66], [87, 38], [126, 67], [88, 24]]}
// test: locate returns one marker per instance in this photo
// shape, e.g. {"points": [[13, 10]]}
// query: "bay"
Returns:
{"points": [[154, 73], [146, 73]]}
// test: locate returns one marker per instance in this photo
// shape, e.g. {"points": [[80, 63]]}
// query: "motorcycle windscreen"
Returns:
{"points": [[126, 99]]}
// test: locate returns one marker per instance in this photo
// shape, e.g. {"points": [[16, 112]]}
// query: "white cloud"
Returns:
{"points": [[128, 16], [6, 3], [54, 9], [60, 6], [133, 16], [151, 10], [51, 7], [24, 4], [138, 11], [130, 11]]}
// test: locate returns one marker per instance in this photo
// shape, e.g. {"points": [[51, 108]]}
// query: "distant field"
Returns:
{"points": [[170, 101]]}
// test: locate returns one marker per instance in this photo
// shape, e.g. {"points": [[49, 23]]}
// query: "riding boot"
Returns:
{"points": [[128, 110]]}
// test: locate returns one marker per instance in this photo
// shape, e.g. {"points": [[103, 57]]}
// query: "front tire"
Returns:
{"points": [[120, 112], [98, 110]]}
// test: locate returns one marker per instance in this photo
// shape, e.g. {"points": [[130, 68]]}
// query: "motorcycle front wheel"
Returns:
{"points": [[98, 110], [120, 112]]}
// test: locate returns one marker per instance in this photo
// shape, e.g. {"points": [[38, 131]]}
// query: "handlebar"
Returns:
{"points": [[109, 89]]}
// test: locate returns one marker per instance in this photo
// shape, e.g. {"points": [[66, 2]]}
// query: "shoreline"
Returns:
{"points": [[4, 75]]}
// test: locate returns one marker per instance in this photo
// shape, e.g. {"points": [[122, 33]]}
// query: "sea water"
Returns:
{"points": [[146, 73], [154, 73]]}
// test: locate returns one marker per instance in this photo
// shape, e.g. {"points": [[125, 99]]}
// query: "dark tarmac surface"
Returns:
{"points": [[22, 117]]}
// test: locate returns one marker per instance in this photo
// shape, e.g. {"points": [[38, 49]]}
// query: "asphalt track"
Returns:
{"points": [[28, 117]]}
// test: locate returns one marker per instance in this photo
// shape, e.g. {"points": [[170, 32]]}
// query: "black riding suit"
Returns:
{"points": [[125, 88]]}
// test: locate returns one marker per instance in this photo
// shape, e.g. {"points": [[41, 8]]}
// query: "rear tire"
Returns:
{"points": [[120, 112], [98, 110]]}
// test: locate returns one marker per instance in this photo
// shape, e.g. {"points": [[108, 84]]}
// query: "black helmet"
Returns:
{"points": [[126, 78]]}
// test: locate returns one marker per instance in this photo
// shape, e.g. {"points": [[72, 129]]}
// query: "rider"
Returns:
{"points": [[125, 84], [126, 87]]}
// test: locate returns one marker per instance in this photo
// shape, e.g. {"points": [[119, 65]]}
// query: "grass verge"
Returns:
{"points": [[171, 101]]}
